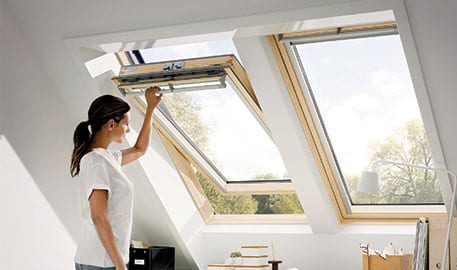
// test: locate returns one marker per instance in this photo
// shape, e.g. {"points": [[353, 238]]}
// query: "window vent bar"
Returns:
{"points": [[133, 80], [339, 33]]}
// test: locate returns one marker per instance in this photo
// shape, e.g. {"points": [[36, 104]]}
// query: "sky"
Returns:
{"points": [[362, 88]]}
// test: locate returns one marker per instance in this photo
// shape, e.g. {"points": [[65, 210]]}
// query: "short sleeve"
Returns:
{"points": [[117, 154], [97, 177]]}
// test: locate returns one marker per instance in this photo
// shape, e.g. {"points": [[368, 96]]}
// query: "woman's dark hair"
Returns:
{"points": [[101, 111]]}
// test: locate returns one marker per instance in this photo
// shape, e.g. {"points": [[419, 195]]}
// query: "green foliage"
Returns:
{"points": [[401, 184], [264, 204], [286, 204], [276, 203], [249, 204], [227, 204], [185, 111]]}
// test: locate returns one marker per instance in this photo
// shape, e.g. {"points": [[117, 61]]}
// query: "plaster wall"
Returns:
{"points": [[31, 233], [36, 122]]}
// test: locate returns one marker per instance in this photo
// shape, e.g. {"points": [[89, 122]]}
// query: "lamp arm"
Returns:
{"points": [[451, 206], [413, 165]]}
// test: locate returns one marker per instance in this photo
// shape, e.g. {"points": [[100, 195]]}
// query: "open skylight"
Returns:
{"points": [[219, 123], [219, 138]]}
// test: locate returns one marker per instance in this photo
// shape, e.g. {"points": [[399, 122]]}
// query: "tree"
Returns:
{"points": [[186, 112], [276, 203], [227, 204], [402, 184], [286, 204]]}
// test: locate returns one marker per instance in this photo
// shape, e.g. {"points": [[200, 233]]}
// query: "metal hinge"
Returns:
{"points": [[173, 66]]}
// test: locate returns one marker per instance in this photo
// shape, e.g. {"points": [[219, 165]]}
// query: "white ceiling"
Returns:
{"points": [[86, 17]]}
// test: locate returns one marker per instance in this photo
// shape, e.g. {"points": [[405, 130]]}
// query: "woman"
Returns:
{"points": [[106, 193]]}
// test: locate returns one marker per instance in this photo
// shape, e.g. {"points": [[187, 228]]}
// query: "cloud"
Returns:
{"points": [[239, 144]]}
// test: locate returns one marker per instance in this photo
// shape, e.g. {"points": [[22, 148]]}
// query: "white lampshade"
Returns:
{"points": [[369, 182]]}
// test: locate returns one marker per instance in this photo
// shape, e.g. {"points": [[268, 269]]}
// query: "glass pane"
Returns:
{"points": [[220, 125], [273, 204], [364, 94], [193, 50]]}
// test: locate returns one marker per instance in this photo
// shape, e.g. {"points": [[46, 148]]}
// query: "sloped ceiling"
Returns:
{"points": [[76, 18]]}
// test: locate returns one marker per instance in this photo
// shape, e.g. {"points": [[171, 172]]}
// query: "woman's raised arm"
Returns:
{"points": [[142, 142]]}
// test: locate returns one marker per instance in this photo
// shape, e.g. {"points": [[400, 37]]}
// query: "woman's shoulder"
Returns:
{"points": [[93, 157], [97, 156]]}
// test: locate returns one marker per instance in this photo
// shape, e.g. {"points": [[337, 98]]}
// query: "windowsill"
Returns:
{"points": [[258, 219]]}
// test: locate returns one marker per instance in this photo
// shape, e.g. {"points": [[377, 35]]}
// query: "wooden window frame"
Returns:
{"points": [[312, 129], [190, 179], [184, 155], [237, 75]]}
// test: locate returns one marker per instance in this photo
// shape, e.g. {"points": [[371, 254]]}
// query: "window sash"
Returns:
{"points": [[237, 76], [293, 50], [183, 165], [289, 66]]}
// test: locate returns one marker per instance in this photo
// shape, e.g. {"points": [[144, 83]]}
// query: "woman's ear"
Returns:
{"points": [[111, 124]]}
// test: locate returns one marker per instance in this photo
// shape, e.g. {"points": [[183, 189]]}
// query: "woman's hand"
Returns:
{"points": [[153, 96]]}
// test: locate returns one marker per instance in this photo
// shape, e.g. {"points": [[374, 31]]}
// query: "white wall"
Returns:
{"points": [[298, 248], [31, 234], [36, 122]]}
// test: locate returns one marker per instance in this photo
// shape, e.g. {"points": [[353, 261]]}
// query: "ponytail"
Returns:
{"points": [[82, 140], [100, 111]]}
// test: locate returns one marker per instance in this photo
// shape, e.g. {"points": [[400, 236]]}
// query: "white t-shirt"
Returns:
{"points": [[101, 169]]}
